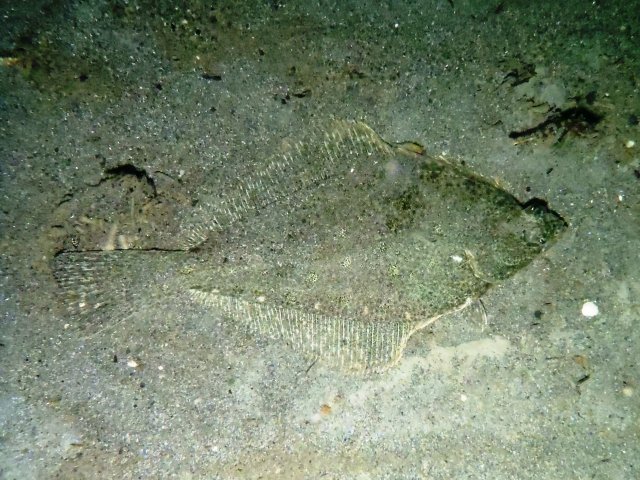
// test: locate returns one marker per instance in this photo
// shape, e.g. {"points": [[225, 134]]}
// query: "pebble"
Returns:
{"points": [[589, 309]]}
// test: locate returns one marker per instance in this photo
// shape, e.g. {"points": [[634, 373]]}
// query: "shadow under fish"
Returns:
{"points": [[341, 248]]}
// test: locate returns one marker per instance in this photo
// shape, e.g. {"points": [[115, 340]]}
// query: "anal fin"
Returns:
{"points": [[352, 344]]}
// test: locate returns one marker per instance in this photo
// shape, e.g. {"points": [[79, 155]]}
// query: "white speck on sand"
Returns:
{"points": [[590, 309]]}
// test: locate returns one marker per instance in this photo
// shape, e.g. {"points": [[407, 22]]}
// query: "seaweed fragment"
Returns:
{"points": [[576, 120]]}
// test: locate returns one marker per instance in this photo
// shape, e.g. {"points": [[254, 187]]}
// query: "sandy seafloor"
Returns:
{"points": [[186, 92]]}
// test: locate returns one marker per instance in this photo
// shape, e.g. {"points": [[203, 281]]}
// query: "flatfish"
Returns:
{"points": [[341, 248]]}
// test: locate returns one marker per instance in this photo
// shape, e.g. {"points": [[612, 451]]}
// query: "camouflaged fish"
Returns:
{"points": [[341, 248]]}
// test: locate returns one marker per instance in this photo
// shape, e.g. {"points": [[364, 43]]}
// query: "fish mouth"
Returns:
{"points": [[552, 224]]}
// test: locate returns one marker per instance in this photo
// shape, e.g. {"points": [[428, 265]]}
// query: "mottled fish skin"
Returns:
{"points": [[341, 248]]}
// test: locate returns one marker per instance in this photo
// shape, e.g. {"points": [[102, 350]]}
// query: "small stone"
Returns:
{"points": [[589, 309]]}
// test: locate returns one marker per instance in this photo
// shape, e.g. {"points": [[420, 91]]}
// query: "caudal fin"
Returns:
{"points": [[110, 281]]}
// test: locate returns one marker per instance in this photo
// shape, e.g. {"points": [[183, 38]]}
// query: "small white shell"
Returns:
{"points": [[590, 309]]}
